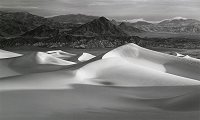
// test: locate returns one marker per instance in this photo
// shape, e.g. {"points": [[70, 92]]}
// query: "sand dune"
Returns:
{"points": [[7, 54], [40, 58], [117, 72], [157, 61], [31, 63], [86, 57], [191, 58], [129, 65], [186, 102], [187, 57], [94, 102], [71, 57], [179, 55], [129, 82], [60, 54]]}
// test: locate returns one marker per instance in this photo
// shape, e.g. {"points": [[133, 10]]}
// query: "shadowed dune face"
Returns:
{"points": [[186, 102], [189, 70], [31, 63], [86, 101], [128, 82], [5, 70]]}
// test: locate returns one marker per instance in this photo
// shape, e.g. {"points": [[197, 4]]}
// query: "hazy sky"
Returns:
{"points": [[120, 9]]}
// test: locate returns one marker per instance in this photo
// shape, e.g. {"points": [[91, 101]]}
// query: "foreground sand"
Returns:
{"points": [[129, 83]]}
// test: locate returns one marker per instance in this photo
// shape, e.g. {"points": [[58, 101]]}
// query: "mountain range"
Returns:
{"points": [[82, 31], [170, 26], [18, 23], [129, 29], [42, 31], [100, 26]]}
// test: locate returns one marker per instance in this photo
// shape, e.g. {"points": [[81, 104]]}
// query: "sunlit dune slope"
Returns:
{"points": [[85, 57], [131, 65], [189, 68], [31, 63], [126, 66], [60, 54], [7, 54], [129, 82]]}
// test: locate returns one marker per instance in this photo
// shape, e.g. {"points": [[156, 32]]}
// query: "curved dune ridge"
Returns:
{"points": [[7, 54], [188, 68], [131, 65], [128, 65], [129, 82], [191, 58], [31, 63], [85, 57], [60, 54], [186, 56], [179, 55], [41, 58]]}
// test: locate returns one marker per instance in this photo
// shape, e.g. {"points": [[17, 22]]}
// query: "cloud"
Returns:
{"points": [[20, 7], [115, 2]]}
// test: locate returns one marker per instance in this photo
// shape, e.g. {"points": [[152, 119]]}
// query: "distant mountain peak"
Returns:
{"points": [[103, 18], [140, 20], [178, 18], [100, 26]]}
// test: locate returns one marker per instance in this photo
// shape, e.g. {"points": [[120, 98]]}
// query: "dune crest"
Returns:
{"points": [[31, 63], [179, 66], [60, 54], [128, 65], [40, 58], [86, 57], [6, 54], [131, 65], [122, 83], [179, 55]]}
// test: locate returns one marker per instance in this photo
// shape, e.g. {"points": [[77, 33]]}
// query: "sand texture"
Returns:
{"points": [[126, 83]]}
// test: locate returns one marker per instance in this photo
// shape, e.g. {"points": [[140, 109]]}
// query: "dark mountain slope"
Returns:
{"points": [[14, 23], [42, 31], [98, 27], [17, 23], [130, 29]]}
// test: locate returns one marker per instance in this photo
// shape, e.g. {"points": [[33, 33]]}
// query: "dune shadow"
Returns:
{"points": [[182, 69]]}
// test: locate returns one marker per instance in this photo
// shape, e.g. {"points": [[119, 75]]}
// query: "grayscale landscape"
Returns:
{"points": [[99, 60]]}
